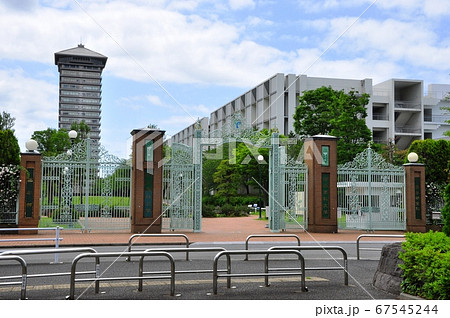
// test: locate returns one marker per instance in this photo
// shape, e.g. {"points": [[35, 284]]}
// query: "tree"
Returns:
{"points": [[249, 168], [447, 108], [52, 142], [227, 179], [435, 154], [6, 121], [9, 148], [82, 130], [330, 112]]}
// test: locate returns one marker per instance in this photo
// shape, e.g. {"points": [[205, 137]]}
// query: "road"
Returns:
{"points": [[321, 284]]}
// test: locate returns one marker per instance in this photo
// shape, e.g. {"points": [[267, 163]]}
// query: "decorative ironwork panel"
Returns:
{"points": [[86, 188], [288, 190], [371, 194], [178, 189]]}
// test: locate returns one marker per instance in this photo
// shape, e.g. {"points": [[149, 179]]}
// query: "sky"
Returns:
{"points": [[173, 61]]}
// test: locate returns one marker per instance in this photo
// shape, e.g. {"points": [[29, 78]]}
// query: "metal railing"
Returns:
{"points": [[23, 282], [358, 248], [267, 236], [266, 273], [344, 267], [57, 237], [49, 251], [157, 235], [196, 271], [97, 279]]}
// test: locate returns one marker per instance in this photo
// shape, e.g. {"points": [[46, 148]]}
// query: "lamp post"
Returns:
{"points": [[72, 135], [260, 160]]}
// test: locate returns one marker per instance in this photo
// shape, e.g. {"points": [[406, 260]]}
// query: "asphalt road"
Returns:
{"points": [[321, 284]]}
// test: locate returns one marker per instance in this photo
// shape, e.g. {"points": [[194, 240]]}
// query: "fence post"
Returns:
{"points": [[415, 197], [146, 179], [321, 159], [30, 190]]}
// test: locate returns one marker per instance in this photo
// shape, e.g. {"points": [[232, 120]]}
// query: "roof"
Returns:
{"points": [[80, 50]]}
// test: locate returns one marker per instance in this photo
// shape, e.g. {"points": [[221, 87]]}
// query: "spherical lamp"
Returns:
{"points": [[73, 134], [413, 157], [31, 145]]}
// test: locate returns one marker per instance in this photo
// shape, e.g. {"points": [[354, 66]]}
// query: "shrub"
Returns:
{"points": [[208, 211], [446, 211], [426, 265]]}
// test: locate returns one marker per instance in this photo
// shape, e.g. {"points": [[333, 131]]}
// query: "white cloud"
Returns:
{"points": [[32, 102], [241, 4]]}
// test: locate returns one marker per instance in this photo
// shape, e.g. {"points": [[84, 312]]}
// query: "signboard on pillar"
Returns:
{"points": [[146, 195]]}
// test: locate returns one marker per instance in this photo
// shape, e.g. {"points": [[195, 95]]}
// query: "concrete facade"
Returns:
{"points": [[398, 111]]}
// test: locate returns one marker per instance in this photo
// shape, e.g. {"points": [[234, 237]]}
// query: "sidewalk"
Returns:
{"points": [[232, 229]]}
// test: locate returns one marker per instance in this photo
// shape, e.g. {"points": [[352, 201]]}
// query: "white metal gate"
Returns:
{"points": [[182, 190], [371, 194], [86, 188], [288, 188]]}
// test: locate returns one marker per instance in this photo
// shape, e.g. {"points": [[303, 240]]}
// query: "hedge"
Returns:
{"points": [[426, 265]]}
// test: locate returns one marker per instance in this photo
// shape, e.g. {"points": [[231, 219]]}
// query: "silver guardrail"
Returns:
{"points": [[57, 237], [97, 279], [50, 251], [344, 267], [23, 282], [193, 250], [266, 273], [130, 240], [358, 248], [267, 236]]}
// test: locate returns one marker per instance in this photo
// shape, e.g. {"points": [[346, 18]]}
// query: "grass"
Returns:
{"points": [[113, 201], [48, 222]]}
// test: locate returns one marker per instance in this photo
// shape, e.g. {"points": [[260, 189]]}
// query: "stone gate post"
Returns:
{"points": [[30, 191], [146, 181], [415, 197], [321, 159]]}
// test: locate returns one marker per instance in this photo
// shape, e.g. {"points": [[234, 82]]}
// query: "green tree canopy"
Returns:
{"points": [[330, 112], [435, 154], [52, 142], [9, 148], [6, 121], [82, 130]]}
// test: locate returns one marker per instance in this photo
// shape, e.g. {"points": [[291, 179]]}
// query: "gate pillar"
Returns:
{"points": [[146, 180], [321, 159], [30, 191], [415, 197]]}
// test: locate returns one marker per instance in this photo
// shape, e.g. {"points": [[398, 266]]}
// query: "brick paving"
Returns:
{"points": [[232, 229]]}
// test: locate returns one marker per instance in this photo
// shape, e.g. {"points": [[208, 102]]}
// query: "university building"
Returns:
{"points": [[399, 110], [80, 88]]}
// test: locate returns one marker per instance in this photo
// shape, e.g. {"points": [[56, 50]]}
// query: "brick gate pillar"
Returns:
{"points": [[321, 159], [415, 196], [146, 180], [30, 191]]}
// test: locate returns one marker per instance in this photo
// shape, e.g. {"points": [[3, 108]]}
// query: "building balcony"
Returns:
{"points": [[407, 104], [438, 119], [380, 117], [408, 130]]}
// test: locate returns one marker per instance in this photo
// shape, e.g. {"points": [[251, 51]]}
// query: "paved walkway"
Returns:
{"points": [[232, 229]]}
